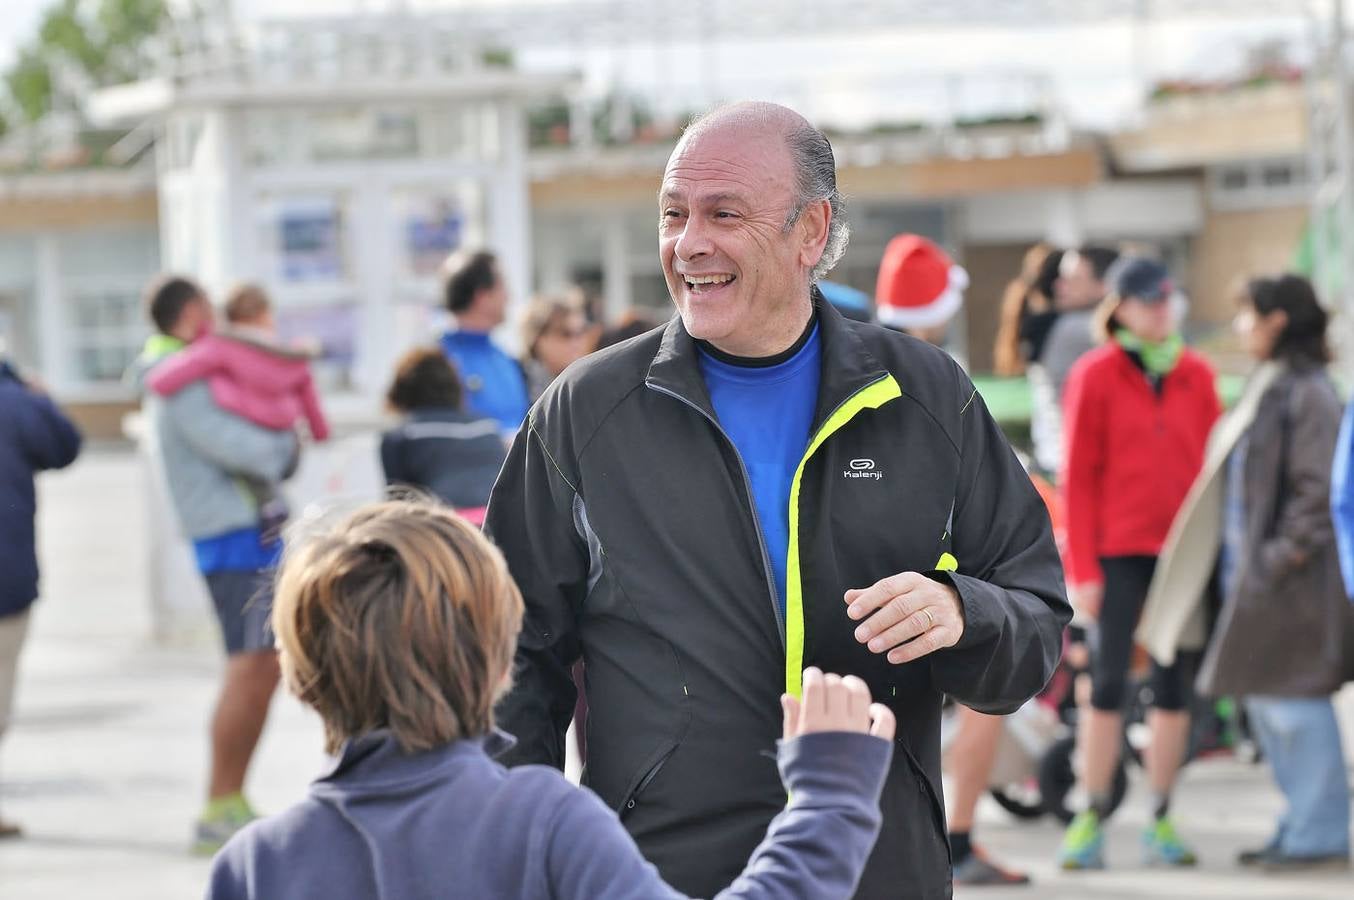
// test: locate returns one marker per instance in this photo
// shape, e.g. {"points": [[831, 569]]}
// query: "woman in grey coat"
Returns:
{"points": [[1284, 639]]}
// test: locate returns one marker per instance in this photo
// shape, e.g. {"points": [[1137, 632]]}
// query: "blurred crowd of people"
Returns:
{"points": [[1212, 539]]}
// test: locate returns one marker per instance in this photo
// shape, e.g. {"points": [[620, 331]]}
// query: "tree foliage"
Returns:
{"points": [[98, 41]]}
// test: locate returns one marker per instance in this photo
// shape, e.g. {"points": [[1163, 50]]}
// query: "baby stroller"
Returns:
{"points": [[1026, 738], [1034, 773], [1216, 727], [1036, 766]]}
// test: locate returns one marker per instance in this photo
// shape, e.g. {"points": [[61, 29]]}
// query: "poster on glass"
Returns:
{"points": [[433, 225], [308, 239], [328, 331]]}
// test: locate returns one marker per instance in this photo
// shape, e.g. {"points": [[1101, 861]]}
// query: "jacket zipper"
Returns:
{"points": [[648, 778], [756, 523]]}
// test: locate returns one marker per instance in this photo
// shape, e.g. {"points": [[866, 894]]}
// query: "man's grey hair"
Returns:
{"points": [[815, 168], [816, 179]]}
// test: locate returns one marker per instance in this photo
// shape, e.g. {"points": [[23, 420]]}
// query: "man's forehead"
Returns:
{"points": [[732, 139], [725, 163]]}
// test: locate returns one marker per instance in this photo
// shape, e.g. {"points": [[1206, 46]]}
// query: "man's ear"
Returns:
{"points": [[811, 231]]}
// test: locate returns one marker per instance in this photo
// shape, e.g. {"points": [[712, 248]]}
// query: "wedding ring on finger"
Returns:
{"points": [[930, 619]]}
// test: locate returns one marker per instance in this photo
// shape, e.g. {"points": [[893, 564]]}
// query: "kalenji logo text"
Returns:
{"points": [[862, 468]]}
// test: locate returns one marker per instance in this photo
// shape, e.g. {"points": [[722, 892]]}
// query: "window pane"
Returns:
{"points": [[87, 316], [108, 333], [89, 363], [1278, 175], [363, 134], [1234, 179]]}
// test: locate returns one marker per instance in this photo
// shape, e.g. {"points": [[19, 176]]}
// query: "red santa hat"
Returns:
{"points": [[919, 286]]}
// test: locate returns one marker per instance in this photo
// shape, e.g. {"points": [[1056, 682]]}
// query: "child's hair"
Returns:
{"points": [[401, 616], [245, 303], [167, 297], [424, 379]]}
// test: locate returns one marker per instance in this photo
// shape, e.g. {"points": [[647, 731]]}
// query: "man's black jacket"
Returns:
{"points": [[627, 520]]}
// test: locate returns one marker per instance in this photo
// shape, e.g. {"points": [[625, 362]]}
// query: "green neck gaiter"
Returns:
{"points": [[159, 346], [1158, 357]]}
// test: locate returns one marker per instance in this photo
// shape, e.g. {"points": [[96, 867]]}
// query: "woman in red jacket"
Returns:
{"points": [[1138, 411]]}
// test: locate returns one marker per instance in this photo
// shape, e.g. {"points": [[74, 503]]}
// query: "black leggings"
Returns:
{"points": [[1127, 579]]}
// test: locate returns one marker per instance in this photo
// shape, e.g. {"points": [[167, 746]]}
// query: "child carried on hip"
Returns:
{"points": [[255, 376]]}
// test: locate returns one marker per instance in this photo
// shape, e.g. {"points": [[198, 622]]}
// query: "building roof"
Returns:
{"points": [[323, 62], [1198, 129], [916, 163]]}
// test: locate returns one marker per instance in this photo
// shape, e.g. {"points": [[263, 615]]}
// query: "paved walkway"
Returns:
{"points": [[104, 764]]}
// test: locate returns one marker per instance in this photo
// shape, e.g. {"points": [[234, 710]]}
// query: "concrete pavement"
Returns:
{"points": [[104, 763]]}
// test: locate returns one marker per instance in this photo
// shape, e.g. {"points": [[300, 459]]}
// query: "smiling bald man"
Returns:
{"points": [[757, 486]]}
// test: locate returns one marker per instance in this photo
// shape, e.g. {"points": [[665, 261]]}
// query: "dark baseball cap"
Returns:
{"points": [[1139, 278]]}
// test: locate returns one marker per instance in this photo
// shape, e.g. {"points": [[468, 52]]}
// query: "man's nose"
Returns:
{"points": [[694, 241]]}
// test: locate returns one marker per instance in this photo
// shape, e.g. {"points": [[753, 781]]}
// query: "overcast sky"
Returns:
{"points": [[1096, 71]]}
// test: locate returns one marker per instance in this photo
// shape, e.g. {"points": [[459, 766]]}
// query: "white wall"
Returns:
{"points": [[1147, 208]]}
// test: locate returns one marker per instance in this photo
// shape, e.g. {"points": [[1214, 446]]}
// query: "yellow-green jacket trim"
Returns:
{"points": [[873, 396]]}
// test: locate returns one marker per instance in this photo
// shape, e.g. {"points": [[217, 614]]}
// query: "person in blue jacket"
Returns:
{"points": [[34, 436], [1342, 498], [477, 299], [397, 625]]}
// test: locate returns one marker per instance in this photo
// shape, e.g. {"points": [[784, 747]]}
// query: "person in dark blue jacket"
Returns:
{"points": [[34, 436], [477, 298], [397, 625], [440, 448]]}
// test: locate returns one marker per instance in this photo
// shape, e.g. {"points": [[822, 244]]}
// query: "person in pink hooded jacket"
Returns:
{"points": [[251, 375], [249, 372]]}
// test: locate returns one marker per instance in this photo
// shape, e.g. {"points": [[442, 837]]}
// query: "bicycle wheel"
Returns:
{"points": [[1057, 778], [1023, 802]]}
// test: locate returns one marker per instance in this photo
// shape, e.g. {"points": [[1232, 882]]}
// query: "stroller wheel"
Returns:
{"points": [[1057, 778], [1023, 803]]}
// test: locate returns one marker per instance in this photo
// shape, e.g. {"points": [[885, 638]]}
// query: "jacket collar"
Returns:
{"points": [[442, 414], [375, 759], [1238, 420], [848, 365]]}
